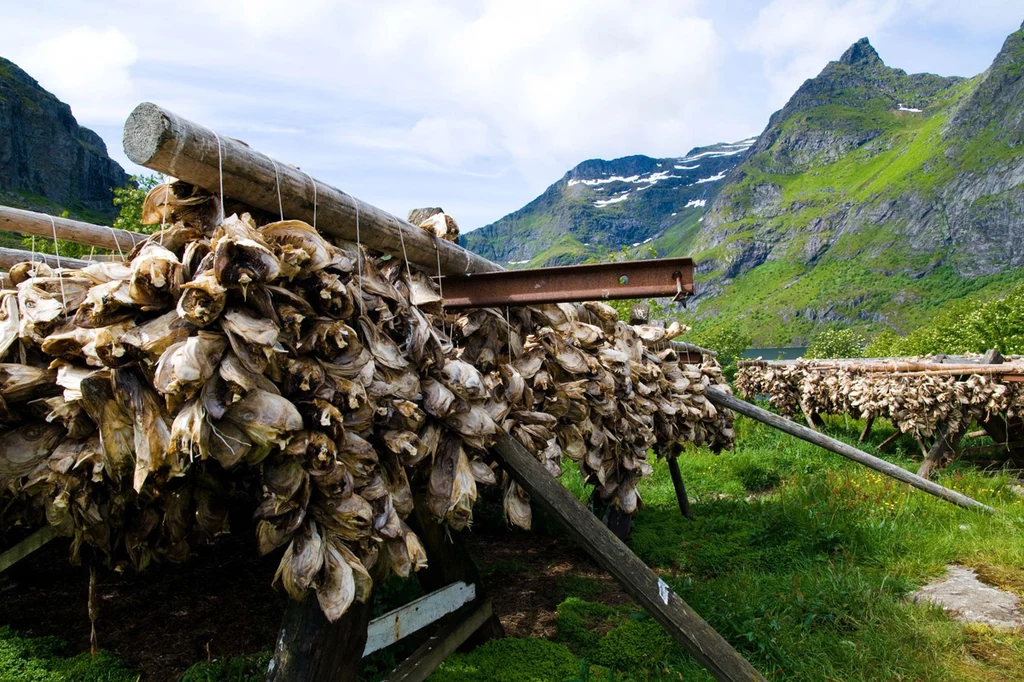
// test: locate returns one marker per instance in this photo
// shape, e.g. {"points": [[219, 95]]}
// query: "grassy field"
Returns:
{"points": [[802, 560]]}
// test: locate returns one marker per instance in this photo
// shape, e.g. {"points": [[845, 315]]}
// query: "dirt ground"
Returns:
{"points": [[220, 604]]}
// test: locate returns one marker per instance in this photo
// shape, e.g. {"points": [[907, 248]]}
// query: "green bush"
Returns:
{"points": [[836, 343], [251, 668], [728, 340]]}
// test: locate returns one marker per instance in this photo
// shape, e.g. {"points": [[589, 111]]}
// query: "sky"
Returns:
{"points": [[474, 106]]}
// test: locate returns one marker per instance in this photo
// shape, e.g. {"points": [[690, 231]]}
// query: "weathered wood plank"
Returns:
{"points": [[682, 622], [721, 399], [158, 139], [456, 630], [416, 615], [38, 224], [26, 547], [449, 561]]}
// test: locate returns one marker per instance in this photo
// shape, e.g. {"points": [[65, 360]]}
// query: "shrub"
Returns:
{"points": [[836, 343], [728, 340]]}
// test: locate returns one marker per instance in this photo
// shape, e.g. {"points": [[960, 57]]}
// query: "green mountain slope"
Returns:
{"points": [[872, 198]]}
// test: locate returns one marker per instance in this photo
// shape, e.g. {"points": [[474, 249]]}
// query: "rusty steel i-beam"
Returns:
{"points": [[656, 278]]}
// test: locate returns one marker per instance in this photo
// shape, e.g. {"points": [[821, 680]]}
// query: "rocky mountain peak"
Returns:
{"points": [[861, 53]]}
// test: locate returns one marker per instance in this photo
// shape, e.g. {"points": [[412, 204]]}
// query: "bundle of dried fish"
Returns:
{"points": [[235, 360]]}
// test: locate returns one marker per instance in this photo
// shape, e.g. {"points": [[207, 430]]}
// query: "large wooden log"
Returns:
{"points": [[722, 399], [158, 139], [639, 581], [38, 224], [11, 257]]}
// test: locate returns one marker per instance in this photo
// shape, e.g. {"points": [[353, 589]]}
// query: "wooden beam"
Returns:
{"points": [[721, 399], [26, 547], [419, 613], [11, 257], [452, 634], [165, 142], [310, 649], [682, 622], [677, 483], [38, 224]]}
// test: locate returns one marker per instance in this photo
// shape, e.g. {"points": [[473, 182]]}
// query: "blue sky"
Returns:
{"points": [[472, 106]]}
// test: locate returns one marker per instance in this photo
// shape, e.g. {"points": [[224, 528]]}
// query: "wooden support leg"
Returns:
{"points": [[867, 430], [26, 547], [449, 561], [945, 445], [677, 483], [814, 420], [721, 399], [887, 443], [310, 649], [682, 622]]}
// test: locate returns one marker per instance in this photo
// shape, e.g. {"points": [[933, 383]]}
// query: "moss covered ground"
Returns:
{"points": [[801, 559]]}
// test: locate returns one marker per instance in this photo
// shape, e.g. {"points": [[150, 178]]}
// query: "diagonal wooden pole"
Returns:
{"points": [[682, 622], [720, 398]]}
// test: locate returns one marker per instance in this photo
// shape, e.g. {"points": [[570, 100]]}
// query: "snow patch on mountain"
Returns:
{"points": [[601, 203], [695, 203]]}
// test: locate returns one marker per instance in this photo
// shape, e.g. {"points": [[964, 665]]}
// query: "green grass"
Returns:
{"points": [[47, 659], [807, 578]]}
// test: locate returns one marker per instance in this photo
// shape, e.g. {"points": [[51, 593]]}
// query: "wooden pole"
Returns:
{"points": [[455, 630], [721, 399], [158, 139], [310, 649], [38, 224], [11, 257], [682, 622], [677, 483]]}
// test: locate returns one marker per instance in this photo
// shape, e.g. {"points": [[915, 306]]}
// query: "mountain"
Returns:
{"points": [[47, 161], [872, 198], [601, 205]]}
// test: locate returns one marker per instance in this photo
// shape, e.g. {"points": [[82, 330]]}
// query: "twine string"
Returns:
{"points": [[314, 197], [277, 176], [60, 275]]}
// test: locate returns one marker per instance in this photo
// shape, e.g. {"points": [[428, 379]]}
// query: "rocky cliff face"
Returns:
{"points": [[634, 201], [48, 161]]}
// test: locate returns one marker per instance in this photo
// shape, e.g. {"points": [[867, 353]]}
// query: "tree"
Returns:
{"points": [[836, 343]]}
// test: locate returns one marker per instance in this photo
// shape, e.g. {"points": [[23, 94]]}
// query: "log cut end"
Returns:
{"points": [[145, 131]]}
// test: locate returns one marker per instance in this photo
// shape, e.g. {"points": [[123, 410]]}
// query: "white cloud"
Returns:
{"points": [[796, 38], [86, 67]]}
